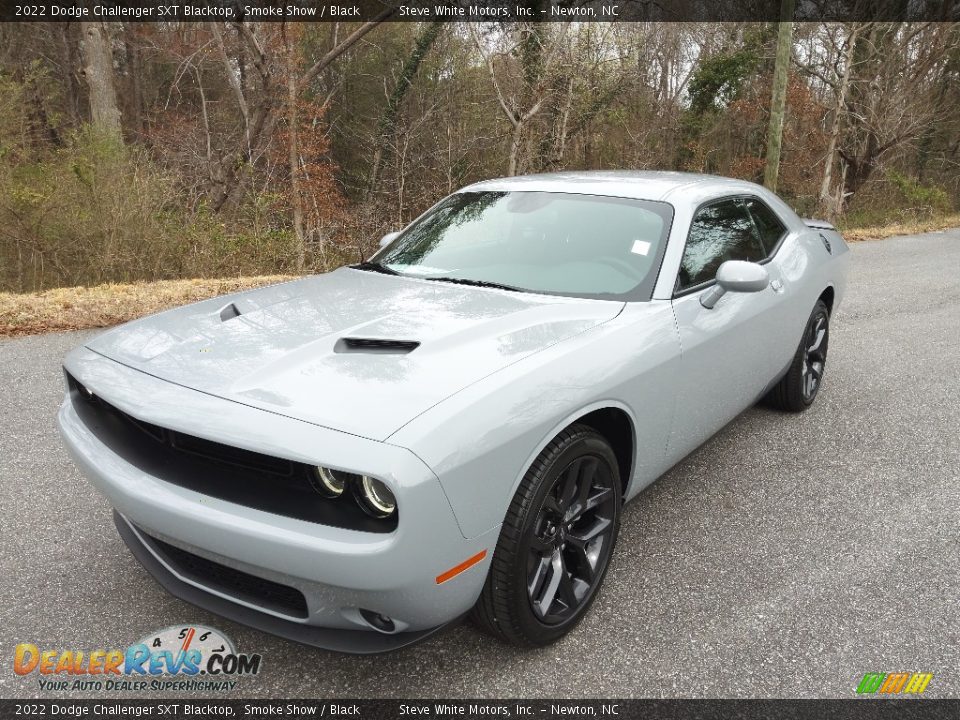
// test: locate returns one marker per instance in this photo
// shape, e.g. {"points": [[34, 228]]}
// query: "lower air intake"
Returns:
{"points": [[235, 583]]}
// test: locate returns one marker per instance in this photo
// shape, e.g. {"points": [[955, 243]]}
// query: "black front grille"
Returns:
{"points": [[229, 581], [252, 479], [188, 444]]}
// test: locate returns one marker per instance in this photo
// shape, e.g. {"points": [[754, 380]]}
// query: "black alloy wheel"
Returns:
{"points": [[815, 355], [797, 390], [556, 542], [571, 540]]}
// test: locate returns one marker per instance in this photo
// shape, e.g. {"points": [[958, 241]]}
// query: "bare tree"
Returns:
{"points": [[831, 199], [260, 114], [521, 107], [388, 121], [889, 102]]}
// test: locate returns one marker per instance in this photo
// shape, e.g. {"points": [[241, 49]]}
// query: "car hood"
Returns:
{"points": [[282, 348]]}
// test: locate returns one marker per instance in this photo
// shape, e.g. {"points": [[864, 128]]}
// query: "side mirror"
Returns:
{"points": [[388, 238], [736, 276]]}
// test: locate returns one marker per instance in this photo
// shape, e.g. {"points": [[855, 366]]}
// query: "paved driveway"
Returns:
{"points": [[785, 558]]}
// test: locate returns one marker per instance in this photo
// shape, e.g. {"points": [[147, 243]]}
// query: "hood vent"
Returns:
{"points": [[229, 312], [377, 346]]}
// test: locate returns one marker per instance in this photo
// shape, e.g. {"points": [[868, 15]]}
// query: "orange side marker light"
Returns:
{"points": [[465, 565]]}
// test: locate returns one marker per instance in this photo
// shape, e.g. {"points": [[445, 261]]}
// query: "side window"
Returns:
{"points": [[719, 232], [770, 227]]}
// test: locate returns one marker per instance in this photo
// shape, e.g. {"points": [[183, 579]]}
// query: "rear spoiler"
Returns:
{"points": [[818, 224]]}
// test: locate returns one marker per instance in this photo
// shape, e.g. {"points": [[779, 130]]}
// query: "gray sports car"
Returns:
{"points": [[357, 459]]}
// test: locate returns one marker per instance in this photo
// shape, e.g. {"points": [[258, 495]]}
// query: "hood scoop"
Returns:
{"points": [[229, 312], [375, 346]]}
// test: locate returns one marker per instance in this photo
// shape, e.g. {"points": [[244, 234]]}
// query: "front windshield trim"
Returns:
{"points": [[643, 292]]}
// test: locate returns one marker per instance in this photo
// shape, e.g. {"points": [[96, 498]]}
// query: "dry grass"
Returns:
{"points": [[78, 308], [880, 232]]}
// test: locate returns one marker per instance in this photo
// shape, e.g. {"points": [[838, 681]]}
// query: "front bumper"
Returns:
{"points": [[337, 570], [347, 641]]}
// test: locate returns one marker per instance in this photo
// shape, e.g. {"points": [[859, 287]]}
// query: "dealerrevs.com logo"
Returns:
{"points": [[903, 683], [180, 657]]}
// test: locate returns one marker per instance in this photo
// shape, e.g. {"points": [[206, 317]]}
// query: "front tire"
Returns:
{"points": [[556, 542], [797, 390]]}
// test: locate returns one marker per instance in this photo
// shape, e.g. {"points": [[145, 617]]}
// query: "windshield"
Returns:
{"points": [[544, 242]]}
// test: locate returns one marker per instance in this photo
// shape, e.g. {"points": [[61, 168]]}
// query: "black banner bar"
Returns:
{"points": [[854, 709], [325, 11]]}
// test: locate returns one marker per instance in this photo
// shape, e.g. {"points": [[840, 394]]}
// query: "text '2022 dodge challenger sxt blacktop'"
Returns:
{"points": [[356, 459]]}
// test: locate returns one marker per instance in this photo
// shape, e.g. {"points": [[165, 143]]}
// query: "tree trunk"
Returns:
{"points": [[860, 167], [134, 104], [388, 121], [516, 141], [778, 100], [235, 80], [293, 140], [98, 70], [828, 199], [69, 62]]}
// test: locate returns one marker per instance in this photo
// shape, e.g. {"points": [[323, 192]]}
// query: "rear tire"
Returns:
{"points": [[556, 542], [797, 390]]}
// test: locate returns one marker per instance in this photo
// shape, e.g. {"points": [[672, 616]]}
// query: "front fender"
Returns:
{"points": [[481, 441]]}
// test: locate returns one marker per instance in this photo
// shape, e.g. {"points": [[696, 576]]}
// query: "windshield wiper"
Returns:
{"points": [[475, 283], [374, 267]]}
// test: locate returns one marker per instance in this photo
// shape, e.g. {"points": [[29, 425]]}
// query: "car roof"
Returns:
{"points": [[639, 184]]}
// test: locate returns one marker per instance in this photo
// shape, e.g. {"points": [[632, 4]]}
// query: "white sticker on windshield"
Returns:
{"points": [[640, 247]]}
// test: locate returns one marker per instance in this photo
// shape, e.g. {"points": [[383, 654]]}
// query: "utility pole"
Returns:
{"points": [[778, 99]]}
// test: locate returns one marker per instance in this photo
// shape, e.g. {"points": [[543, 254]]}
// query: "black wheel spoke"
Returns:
{"points": [[540, 572], [597, 499], [582, 537], [554, 574], [566, 592], [588, 471], [817, 339], [552, 505], [568, 492], [586, 565]]}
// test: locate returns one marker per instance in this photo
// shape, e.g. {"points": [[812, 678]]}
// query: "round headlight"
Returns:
{"points": [[327, 482], [375, 498]]}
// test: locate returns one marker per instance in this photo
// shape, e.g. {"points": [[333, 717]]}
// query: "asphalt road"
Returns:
{"points": [[785, 558]]}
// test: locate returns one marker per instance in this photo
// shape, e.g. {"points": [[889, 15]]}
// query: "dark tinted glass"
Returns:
{"points": [[719, 232], [769, 225]]}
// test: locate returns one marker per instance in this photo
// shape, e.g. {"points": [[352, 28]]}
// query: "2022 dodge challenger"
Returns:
{"points": [[356, 459]]}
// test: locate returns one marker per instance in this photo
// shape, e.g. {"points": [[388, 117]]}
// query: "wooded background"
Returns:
{"points": [[142, 151]]}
